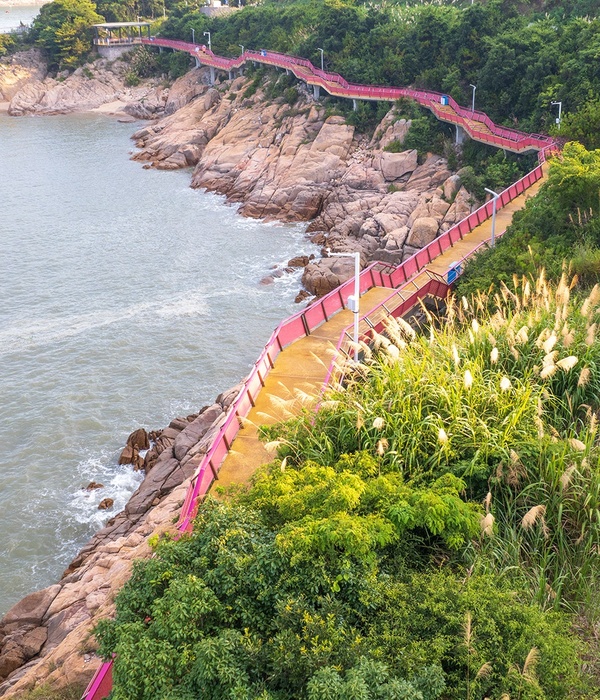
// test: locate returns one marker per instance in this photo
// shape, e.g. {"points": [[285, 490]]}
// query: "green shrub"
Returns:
{"points": [[132, 79]]}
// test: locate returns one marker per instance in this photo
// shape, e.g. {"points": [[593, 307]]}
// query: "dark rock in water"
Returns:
{"points": [[299, 261], [105, 504], [301, 296], [94, 485], [139, 438], [126, 456]]}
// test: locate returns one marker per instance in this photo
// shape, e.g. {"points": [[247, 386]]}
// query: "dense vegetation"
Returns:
{"points": [[521, 55], [422, 536], [432, 532], [561, 223]]}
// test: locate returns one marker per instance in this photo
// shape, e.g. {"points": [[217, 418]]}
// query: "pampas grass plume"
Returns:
{"points": [[548, 344], [522, 336], [591, 335], [455, 356], [532, 515], [487, 525], [494, 356], [442, 436], [378, 423], [567, 363], [468, 379], [505, 384], [382, 446], [577, 444], [548, 371], [584, 377]]}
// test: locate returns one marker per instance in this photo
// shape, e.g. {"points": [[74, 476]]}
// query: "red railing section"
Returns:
{"points": [[471, 121], [305, 321]]}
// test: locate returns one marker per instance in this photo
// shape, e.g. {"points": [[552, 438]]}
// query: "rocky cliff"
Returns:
{"points": [[25, 84], [296, 163]]}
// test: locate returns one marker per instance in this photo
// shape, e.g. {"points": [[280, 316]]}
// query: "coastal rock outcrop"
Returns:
{"points": [[18, 70], [293, 163], [46, 637], [97, 85], [278, 161]]}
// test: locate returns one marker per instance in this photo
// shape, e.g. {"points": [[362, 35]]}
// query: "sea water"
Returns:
{"points": [[126, 298]]}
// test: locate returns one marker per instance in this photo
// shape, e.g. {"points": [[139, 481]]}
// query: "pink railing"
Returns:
{"points": [[305, 321], [335, 84]]}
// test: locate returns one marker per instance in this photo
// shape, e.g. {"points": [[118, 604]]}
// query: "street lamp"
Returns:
{"points": [[241, 47], [354, 299], [208, 34], [473, 102], [321, 50], [559, 113], [193, 36], [495, 195]]}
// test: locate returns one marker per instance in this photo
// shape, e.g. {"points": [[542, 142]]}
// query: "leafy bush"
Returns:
{"points": [[408, 537], [7, 44]]}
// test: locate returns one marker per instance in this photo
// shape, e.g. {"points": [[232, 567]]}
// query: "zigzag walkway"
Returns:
{"points": [[476, 124], [301, 369]]}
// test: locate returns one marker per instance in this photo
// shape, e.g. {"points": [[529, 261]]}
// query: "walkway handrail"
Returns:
{"points": [[305, 321], [335, 84]]}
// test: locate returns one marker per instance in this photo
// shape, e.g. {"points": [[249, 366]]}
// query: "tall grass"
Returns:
{"points": [[506, 400]]}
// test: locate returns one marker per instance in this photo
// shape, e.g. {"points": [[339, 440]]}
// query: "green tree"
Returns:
{"points": [[64, 30], [582, 125]]}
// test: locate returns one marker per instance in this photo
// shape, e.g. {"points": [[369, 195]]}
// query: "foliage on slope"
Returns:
{"points": [[560, 223], [521, 56], [63, 29], [421, 536]]}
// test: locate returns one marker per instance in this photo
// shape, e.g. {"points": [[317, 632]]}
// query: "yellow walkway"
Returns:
{"points": [[301, 368]]}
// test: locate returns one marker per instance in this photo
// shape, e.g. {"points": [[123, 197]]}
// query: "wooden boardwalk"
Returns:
{"points": [[301, 368]]}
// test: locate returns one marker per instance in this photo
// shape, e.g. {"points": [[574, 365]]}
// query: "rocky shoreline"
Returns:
{"points": [[276, 161], [46, 637]]}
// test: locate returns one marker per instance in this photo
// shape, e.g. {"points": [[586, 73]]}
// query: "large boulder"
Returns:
{"points": [[32, 608], [395, 165], [423, 231]]}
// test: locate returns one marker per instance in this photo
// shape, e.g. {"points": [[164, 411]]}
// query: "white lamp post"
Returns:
{"points": [[193, 36], [354, 299], [495, 195], [241, 47], [208, 35], [321, 50], [473, 101], [559, 113]]}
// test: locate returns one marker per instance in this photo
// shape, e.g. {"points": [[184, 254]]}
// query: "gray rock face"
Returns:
{"points": [[32, 608], [423, 231], [83, 90]]}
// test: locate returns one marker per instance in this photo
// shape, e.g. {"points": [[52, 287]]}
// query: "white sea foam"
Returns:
{"points": [[25, 335]]}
